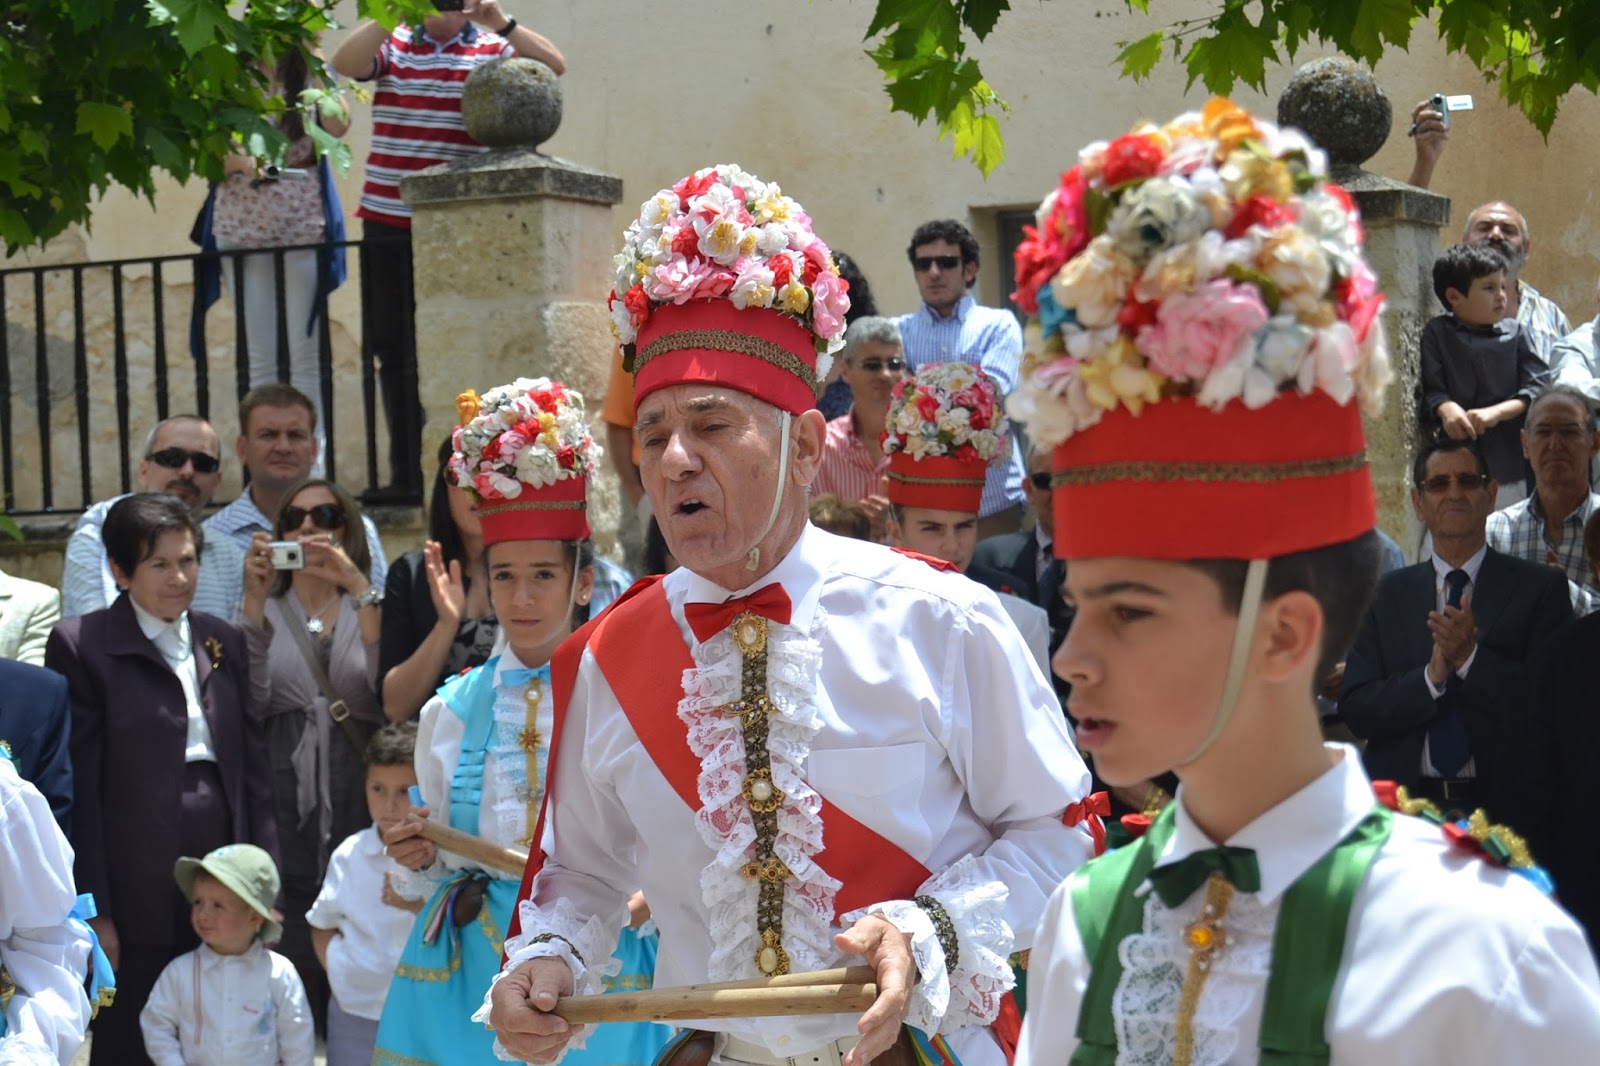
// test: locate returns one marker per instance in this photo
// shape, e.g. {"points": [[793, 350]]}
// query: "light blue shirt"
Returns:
{"points": [[242, 517], [986, 337], [87, 584]]}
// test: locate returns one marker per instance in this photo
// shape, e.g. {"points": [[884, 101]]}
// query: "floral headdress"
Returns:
{"points": [[1201, 266], [524, 453], [720, 279], [944, 427]]}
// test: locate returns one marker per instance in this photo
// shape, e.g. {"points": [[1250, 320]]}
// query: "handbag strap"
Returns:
{"points": [[303, 639]]}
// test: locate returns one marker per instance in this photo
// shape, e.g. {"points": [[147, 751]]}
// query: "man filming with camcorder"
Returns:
{"points": [[416, 123]]}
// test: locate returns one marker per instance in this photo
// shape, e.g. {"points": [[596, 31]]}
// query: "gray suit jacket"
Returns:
{"points": [[28, 611]]}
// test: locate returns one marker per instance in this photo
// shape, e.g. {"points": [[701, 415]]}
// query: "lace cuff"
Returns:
{"points": [[967, 989], [418, 884], [19, 1049]]}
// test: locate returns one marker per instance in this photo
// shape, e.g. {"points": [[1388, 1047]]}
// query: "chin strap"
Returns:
{"points": [[1255, 583], [754, 559]]}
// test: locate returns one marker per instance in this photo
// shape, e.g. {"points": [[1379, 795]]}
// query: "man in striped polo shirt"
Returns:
{"points": [[416, 123]]}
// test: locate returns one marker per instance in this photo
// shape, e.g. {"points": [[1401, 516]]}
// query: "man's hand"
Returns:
{"points": [[106, 930], [1457, 424], [519, 1009], [1454, 633], [1429, 134], [888, 951], [485, 13], [877, 508]]}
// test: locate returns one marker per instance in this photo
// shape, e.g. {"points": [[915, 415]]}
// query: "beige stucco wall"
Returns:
{"points": [[654, 91]]}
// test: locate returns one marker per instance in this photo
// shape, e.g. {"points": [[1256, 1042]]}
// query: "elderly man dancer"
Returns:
{"points": [[802, 748]]}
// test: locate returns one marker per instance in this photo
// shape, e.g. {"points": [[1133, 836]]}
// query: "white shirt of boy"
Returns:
{"points": [[228, 1010], [44, 955], [372, 933], [1447, 959]]}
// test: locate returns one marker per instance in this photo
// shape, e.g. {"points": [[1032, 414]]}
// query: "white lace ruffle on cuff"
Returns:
{"points": [[22, 1050], [944, 1000]]}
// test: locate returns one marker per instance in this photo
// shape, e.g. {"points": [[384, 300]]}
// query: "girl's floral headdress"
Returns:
{"points": [[1202, 318], [524, 453], [720, 280], [945, 426]]}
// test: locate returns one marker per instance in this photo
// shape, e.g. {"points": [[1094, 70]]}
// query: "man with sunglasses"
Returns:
{"points": [[1435, 683], [951, 327], [852, 453], [182, 458]]}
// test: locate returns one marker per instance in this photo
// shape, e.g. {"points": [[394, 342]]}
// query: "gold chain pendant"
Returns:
{"points": [[1206, 938]]}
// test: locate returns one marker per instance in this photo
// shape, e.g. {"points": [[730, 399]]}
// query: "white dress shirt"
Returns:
{"points": [[1447, 959], [44, 954], [371, 933], [1441, 590], [228, 1010], [1034, 625], [176, 645], [905, 698]]}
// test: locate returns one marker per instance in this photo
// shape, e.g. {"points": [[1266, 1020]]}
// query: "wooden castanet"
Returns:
{"points": [[475, 849], [846, 990]]}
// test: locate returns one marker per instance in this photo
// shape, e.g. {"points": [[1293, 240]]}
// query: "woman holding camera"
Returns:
{"points": [[311, 618]]}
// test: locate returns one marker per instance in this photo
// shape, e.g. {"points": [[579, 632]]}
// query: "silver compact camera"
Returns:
{"points": [[287, 555], [1445, 104]]}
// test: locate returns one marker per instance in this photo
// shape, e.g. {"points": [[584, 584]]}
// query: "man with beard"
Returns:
{"points": [[1503, 228], [182, 458]]}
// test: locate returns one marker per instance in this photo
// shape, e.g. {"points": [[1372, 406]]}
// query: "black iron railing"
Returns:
{"points": [[87, 345]]}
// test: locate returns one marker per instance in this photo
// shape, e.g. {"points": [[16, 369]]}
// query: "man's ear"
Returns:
{"points": [[1291, 626], [806, 437], [1453, 296], [238, 449], [1416, 504]]}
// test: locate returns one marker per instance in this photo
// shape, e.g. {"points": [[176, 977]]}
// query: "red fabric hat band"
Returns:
{"points": [[711, 342], [1180, 481], [942, 483], [555, 512]]}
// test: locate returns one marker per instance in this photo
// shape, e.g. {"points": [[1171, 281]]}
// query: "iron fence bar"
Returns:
{"points": [[202, 364], [281, 310], [369, 375], [80, 382], [325, 372], [159, 320], [119, 364], [241, 333], [7, 471], [41, 382], [193, 257]]}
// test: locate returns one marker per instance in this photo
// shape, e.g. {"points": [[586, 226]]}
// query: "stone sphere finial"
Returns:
{"points": [[1340, 106], [511, 103]]}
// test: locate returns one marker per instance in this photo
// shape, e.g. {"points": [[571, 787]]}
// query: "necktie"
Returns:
{"points": [[1177, 881], [173, 642], [1448, 746], [709, 619]]}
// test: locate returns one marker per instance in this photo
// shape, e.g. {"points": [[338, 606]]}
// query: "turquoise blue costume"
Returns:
{"points": [[500, 715]]}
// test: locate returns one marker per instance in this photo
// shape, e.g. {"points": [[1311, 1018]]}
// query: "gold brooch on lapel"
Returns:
{"points": [[214, 647]]}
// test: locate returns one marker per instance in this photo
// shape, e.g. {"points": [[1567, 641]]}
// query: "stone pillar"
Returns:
{"points": [[513, 263], [1342, 108]]}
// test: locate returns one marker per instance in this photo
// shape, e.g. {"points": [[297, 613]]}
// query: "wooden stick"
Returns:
{"points": [[846, 990], [475, 849]]}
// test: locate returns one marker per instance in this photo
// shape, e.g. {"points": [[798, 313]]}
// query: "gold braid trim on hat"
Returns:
{"points": [[1101, 473], [726, 340], [905, 479], [534, 505]]}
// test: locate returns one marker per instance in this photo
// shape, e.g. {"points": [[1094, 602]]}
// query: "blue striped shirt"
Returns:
{"points": [[986, 337]]}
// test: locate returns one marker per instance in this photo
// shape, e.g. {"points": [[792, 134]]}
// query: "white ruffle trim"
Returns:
{"points": [[22, 1050], [588, 975], [793, 660], [943, 1001], [419, 884], [1145, 1003]]}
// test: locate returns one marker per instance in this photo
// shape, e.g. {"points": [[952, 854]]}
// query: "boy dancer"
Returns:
{"points": [[1276, 912]]}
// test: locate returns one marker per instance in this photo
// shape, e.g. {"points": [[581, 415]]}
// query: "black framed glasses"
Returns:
{"points": [[174, 458], [1041, 480], [894, 365], [925, 263], [1440, 484], [323, 516]]}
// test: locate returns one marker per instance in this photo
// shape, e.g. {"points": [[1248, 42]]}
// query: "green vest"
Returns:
{"points": [[1307, 946]]}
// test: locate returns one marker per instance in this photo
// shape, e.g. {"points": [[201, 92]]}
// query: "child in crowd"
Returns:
{"points": [[359, 924], [229, 1002], [1479, 368]]}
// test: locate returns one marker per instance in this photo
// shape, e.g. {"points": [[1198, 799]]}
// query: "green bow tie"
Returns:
{"points": [[1177, 881]]}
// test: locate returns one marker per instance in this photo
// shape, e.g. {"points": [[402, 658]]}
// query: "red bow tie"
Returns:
{"points": [[709, 619]]}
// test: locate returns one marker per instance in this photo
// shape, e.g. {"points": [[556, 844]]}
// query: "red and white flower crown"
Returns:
{"points": [[524, 453], [721, 280], [944, 427], [1204, 267]]}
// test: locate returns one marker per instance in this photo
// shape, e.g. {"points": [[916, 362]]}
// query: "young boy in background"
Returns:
{"points": [[358, 924], [1479, 368]]}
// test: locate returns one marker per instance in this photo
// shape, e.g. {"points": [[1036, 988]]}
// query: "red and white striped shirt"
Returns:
{"points": [[416, 111], [847, 470]]}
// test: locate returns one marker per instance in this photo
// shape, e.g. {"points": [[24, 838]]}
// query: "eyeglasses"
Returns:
{"points": [[174, 458], [893, 365], [323, 516], [1566, 431], [1465, 482], [1041, 480], [925, 263]]}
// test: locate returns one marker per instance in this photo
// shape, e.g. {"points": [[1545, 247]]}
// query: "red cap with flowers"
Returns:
{"points": [[944, 428], [1202, 323], [720, 281], [524, 453]]}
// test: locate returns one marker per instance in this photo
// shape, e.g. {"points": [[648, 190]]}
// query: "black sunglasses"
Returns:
{"points": [[1441, 483], [1041, 480], [925, 263], [174, 458], [893, 364], [323, 516]]}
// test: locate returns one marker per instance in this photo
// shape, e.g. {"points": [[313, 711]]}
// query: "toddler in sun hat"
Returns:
{"points": [[231, 1001], [1203, 340]]}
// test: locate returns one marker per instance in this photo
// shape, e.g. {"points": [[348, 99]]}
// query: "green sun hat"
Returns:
{"points": [[243, 869]]}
